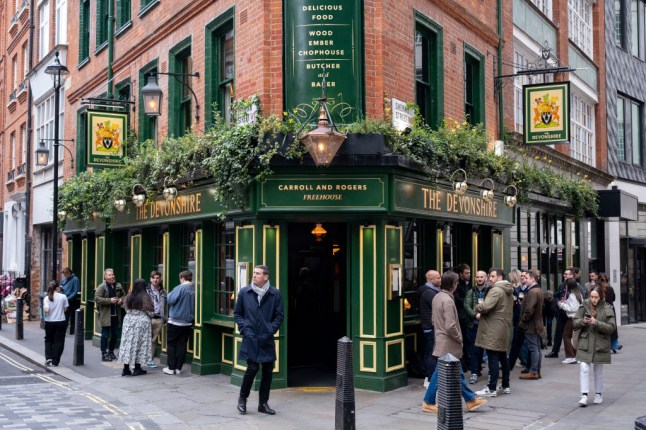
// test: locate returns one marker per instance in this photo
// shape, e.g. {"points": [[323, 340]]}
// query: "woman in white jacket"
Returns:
{"points": [[570, 306]]}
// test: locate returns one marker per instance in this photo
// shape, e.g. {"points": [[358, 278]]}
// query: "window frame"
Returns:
{"points": [[84, 33], [215, 82], [473, 58], [621, 128], [123, 15], [582, 128], [180, 101], [102, 23], [43, 29], [433, 90], [580, 25], [60, 33]]}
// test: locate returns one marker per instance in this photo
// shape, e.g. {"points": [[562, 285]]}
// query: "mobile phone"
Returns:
{"points": [[587, 315]]}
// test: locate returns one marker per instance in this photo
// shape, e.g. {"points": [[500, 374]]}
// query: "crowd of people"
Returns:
{"points": [[500, 321]]}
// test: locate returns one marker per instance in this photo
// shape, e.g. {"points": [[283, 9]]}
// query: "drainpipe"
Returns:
{"points": [[28, 178], [501, 106], [111, 21]]}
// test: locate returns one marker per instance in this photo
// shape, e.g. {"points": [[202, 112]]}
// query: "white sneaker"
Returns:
{"points": [[425, 382], [474, 379], [486, 392], [598, 399], [570, 360], [178, 371], [167, 371], [504, 390], [584, 401], [151, 364]]}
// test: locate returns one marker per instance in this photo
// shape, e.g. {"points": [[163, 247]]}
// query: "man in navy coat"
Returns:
{"points": [[259, 314]]}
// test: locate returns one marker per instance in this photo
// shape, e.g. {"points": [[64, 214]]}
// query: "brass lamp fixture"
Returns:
{"points": [[460, 187], [119, 202], [170, 192], [62, 215], [510, 201], [324, 142], [138, 199], [319, 232], [487, 195]]}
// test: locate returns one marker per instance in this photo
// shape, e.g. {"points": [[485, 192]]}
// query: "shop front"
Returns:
{"points": [[346, 249]]}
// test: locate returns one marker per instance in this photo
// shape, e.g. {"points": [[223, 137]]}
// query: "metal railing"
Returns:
{"points": [[11, 174], [16, 17], [13, 96], [21, 169]]}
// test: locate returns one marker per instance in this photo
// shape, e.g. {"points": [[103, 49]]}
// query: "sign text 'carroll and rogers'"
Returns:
{"points": [[189, 204], [323, 192]]}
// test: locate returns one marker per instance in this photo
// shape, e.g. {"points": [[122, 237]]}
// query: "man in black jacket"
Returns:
{"points": [[426, 293]]}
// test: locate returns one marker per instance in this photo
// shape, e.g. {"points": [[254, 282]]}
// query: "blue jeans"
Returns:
{"points": [[495, 358], [476, 351], [430, 361], [534, 346], [110, 332], [431, 391]]}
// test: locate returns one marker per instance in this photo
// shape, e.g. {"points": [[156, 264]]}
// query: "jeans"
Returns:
{"points": [[516, 345], [598, 377], [176, 340], [265, 381], [112, 332], [476, 352], [54, 340], [495, 358], [430, 361], [533, 341], [431, 391]]}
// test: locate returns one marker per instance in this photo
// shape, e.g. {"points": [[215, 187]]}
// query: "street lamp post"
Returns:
{"points": [[58, 72]]}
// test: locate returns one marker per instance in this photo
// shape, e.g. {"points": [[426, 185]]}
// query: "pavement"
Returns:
{"points": [[190, 401]]}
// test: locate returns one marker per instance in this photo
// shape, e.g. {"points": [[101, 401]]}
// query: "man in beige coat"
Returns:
{"points": [[448, 340], [495, 314]]}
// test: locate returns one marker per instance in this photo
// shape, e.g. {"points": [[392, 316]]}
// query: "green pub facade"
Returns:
{"points": [[348, 244]]}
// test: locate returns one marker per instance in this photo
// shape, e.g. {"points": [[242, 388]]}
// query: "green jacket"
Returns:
{"points": [[103, 305], [470, 302], [594, 340], [496, 313]]}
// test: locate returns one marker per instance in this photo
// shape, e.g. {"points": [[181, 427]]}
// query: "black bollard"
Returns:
{"points": [[345, 411], [449, 393], [79, 346], [19, 312]]}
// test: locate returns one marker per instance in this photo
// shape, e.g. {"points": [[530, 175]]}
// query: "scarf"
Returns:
{"points": [[261, 291]]}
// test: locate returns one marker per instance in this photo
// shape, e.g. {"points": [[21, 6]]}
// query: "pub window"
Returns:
{"points": [[180, 99], [224, 268], [414, 275], [157, 250], [473, 86], [429, 70], [187, 249]]}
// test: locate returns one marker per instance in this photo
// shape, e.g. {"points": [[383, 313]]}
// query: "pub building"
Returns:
{"points": [[347, 242]]}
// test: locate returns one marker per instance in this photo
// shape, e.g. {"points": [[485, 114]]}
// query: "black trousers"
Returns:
{"points": [[561, 319], [54, 340], [265, 381], [177, 339], [70, 315]]}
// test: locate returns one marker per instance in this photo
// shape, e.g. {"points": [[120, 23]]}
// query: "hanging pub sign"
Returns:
{"points": [[107, 132], [546, 109], [323, 37]]}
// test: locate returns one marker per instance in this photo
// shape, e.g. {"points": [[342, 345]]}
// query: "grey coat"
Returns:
{"points": [[594, 340]]}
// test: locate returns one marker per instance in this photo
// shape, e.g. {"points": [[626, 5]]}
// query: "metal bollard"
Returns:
{"points": [[19, 322], [449, 393], [345, 412], [79, 346]]}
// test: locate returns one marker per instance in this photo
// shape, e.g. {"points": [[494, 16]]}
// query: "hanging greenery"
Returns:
{"points": [[233, 157]]}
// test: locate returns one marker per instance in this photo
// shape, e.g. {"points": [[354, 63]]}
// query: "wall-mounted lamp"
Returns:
{"points": [[510, 201], [319, 232], [487, 194], [138, 199], [460, 187], [152, 94], [324, 142], [170, 192], [61, 215], [119, 200]]}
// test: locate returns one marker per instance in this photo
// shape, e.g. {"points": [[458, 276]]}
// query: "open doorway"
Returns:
{"points": [[317, 278]]}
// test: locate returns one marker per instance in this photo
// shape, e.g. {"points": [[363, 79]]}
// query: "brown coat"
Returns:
{"points": [[448, 336], [531, 312]]}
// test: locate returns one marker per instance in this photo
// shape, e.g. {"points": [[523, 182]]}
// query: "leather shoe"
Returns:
{"points": [[265, 409], [529, 375], [139, 371], [552, 355], [126, 372], [242, 405]]}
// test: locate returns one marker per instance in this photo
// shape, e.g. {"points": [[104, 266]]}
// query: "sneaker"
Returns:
{"points": [[425, 383], [106, 357], [504, 390], [426, 407], [598, 399], [474, 379], [474, 404], [570, 360], [48, 363], [178, 371], [112, 356], [168, 371], [584, 401], [486, 392], [151, 364]]}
